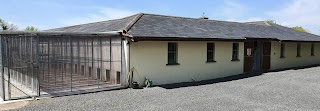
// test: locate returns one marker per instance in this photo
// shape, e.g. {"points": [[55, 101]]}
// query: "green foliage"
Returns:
{"points": [[31, 28], [271, 22], [3, 27], [7, 26], [299, 28]]}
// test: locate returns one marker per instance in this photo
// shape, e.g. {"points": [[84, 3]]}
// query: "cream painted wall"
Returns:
{"points": [[290, 59], [149, 58]]}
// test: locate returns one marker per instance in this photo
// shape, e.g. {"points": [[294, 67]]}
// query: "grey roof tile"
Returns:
{"points": [[103, 26], [170, 26], [151, 25]]}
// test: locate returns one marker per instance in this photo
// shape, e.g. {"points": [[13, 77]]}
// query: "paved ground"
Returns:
{"points": [[285, 90]]}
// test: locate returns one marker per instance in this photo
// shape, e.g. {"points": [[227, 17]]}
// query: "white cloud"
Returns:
{"points": [[102, 15], [232, 9], [237, 12], [299, 13]]}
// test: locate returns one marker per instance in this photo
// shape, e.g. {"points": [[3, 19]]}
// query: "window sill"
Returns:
{"points": [[235, 60], [282, 57], [211, 61], [171, 64]]}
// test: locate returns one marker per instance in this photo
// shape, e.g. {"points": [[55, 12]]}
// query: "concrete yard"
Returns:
{"points": [[283, 90]]}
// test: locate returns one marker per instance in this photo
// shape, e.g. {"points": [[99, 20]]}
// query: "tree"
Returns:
{"points": [[7, 26], [271, 22], [3, 27], [299, 28], [31, 28]]}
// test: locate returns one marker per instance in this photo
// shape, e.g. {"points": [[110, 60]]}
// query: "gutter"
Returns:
{"points": [[109, 33], [142, 38]]}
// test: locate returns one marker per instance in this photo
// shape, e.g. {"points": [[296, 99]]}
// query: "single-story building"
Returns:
{"points": [[170, 49], [164, 49]]}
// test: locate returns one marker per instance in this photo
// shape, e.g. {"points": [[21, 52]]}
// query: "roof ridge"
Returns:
{"points": [[182, 17], [92, 22], [255, 22], [133, 21], [204, 19]]}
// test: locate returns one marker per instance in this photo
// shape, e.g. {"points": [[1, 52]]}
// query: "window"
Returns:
{"points": [[312, 49], [282, 50], [235, 52], [210, 52], [298, 49], [172, 53]]}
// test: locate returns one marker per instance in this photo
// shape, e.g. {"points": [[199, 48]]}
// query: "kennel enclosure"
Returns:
{"points": [[53, 63]]}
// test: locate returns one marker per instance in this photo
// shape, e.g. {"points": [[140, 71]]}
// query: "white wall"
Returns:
{"points": [[290, 59], [149, 58]]}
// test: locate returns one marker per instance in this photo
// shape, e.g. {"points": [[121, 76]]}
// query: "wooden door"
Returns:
{"points": [[248, 56], [266, 56]]}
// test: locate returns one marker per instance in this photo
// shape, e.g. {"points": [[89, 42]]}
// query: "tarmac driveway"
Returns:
{"points": [[284, 90]]}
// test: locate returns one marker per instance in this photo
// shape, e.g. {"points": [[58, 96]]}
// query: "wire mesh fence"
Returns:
{"points": [[34, 65]]}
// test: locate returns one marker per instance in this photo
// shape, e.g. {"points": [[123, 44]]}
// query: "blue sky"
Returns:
{"points": [[46, 14]]}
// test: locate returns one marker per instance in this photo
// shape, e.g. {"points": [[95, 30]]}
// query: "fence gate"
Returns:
{"points": [[35, 65]]}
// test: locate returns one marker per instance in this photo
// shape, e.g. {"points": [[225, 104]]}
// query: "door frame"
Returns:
{"points": [[257, 56], [248, 56]]}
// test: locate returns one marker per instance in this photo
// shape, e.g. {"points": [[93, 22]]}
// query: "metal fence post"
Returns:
{"points": [[2, 69], [71, 60], [110, 61], [100, 42], [32, 63], [8, 67], [37, 65], [121, 61], [92, 57]]}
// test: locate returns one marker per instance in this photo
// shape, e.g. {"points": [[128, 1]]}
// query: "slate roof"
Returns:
{"points": [[162, 26], [103, 26]]}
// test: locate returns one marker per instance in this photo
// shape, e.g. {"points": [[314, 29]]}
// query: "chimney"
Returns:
{"points": [[206, 18]]}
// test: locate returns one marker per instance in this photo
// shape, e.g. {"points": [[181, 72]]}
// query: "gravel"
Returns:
{"points": [[284, 90]]}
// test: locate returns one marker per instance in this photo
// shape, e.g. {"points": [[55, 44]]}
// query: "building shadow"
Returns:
{"points": [[211, 81]]}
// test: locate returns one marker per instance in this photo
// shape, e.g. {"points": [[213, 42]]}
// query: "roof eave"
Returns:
{"points": [[141, 38], [109, 33]]}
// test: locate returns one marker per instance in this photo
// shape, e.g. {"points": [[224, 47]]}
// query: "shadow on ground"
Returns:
{"points": [[229, 78], [211, 81]]}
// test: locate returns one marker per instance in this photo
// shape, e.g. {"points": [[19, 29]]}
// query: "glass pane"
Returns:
{"points": [[312, 49], [171, 58], [172, 46], [209, 46], [235, 55], [235, 46], [209, 56], [298, 49]]}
